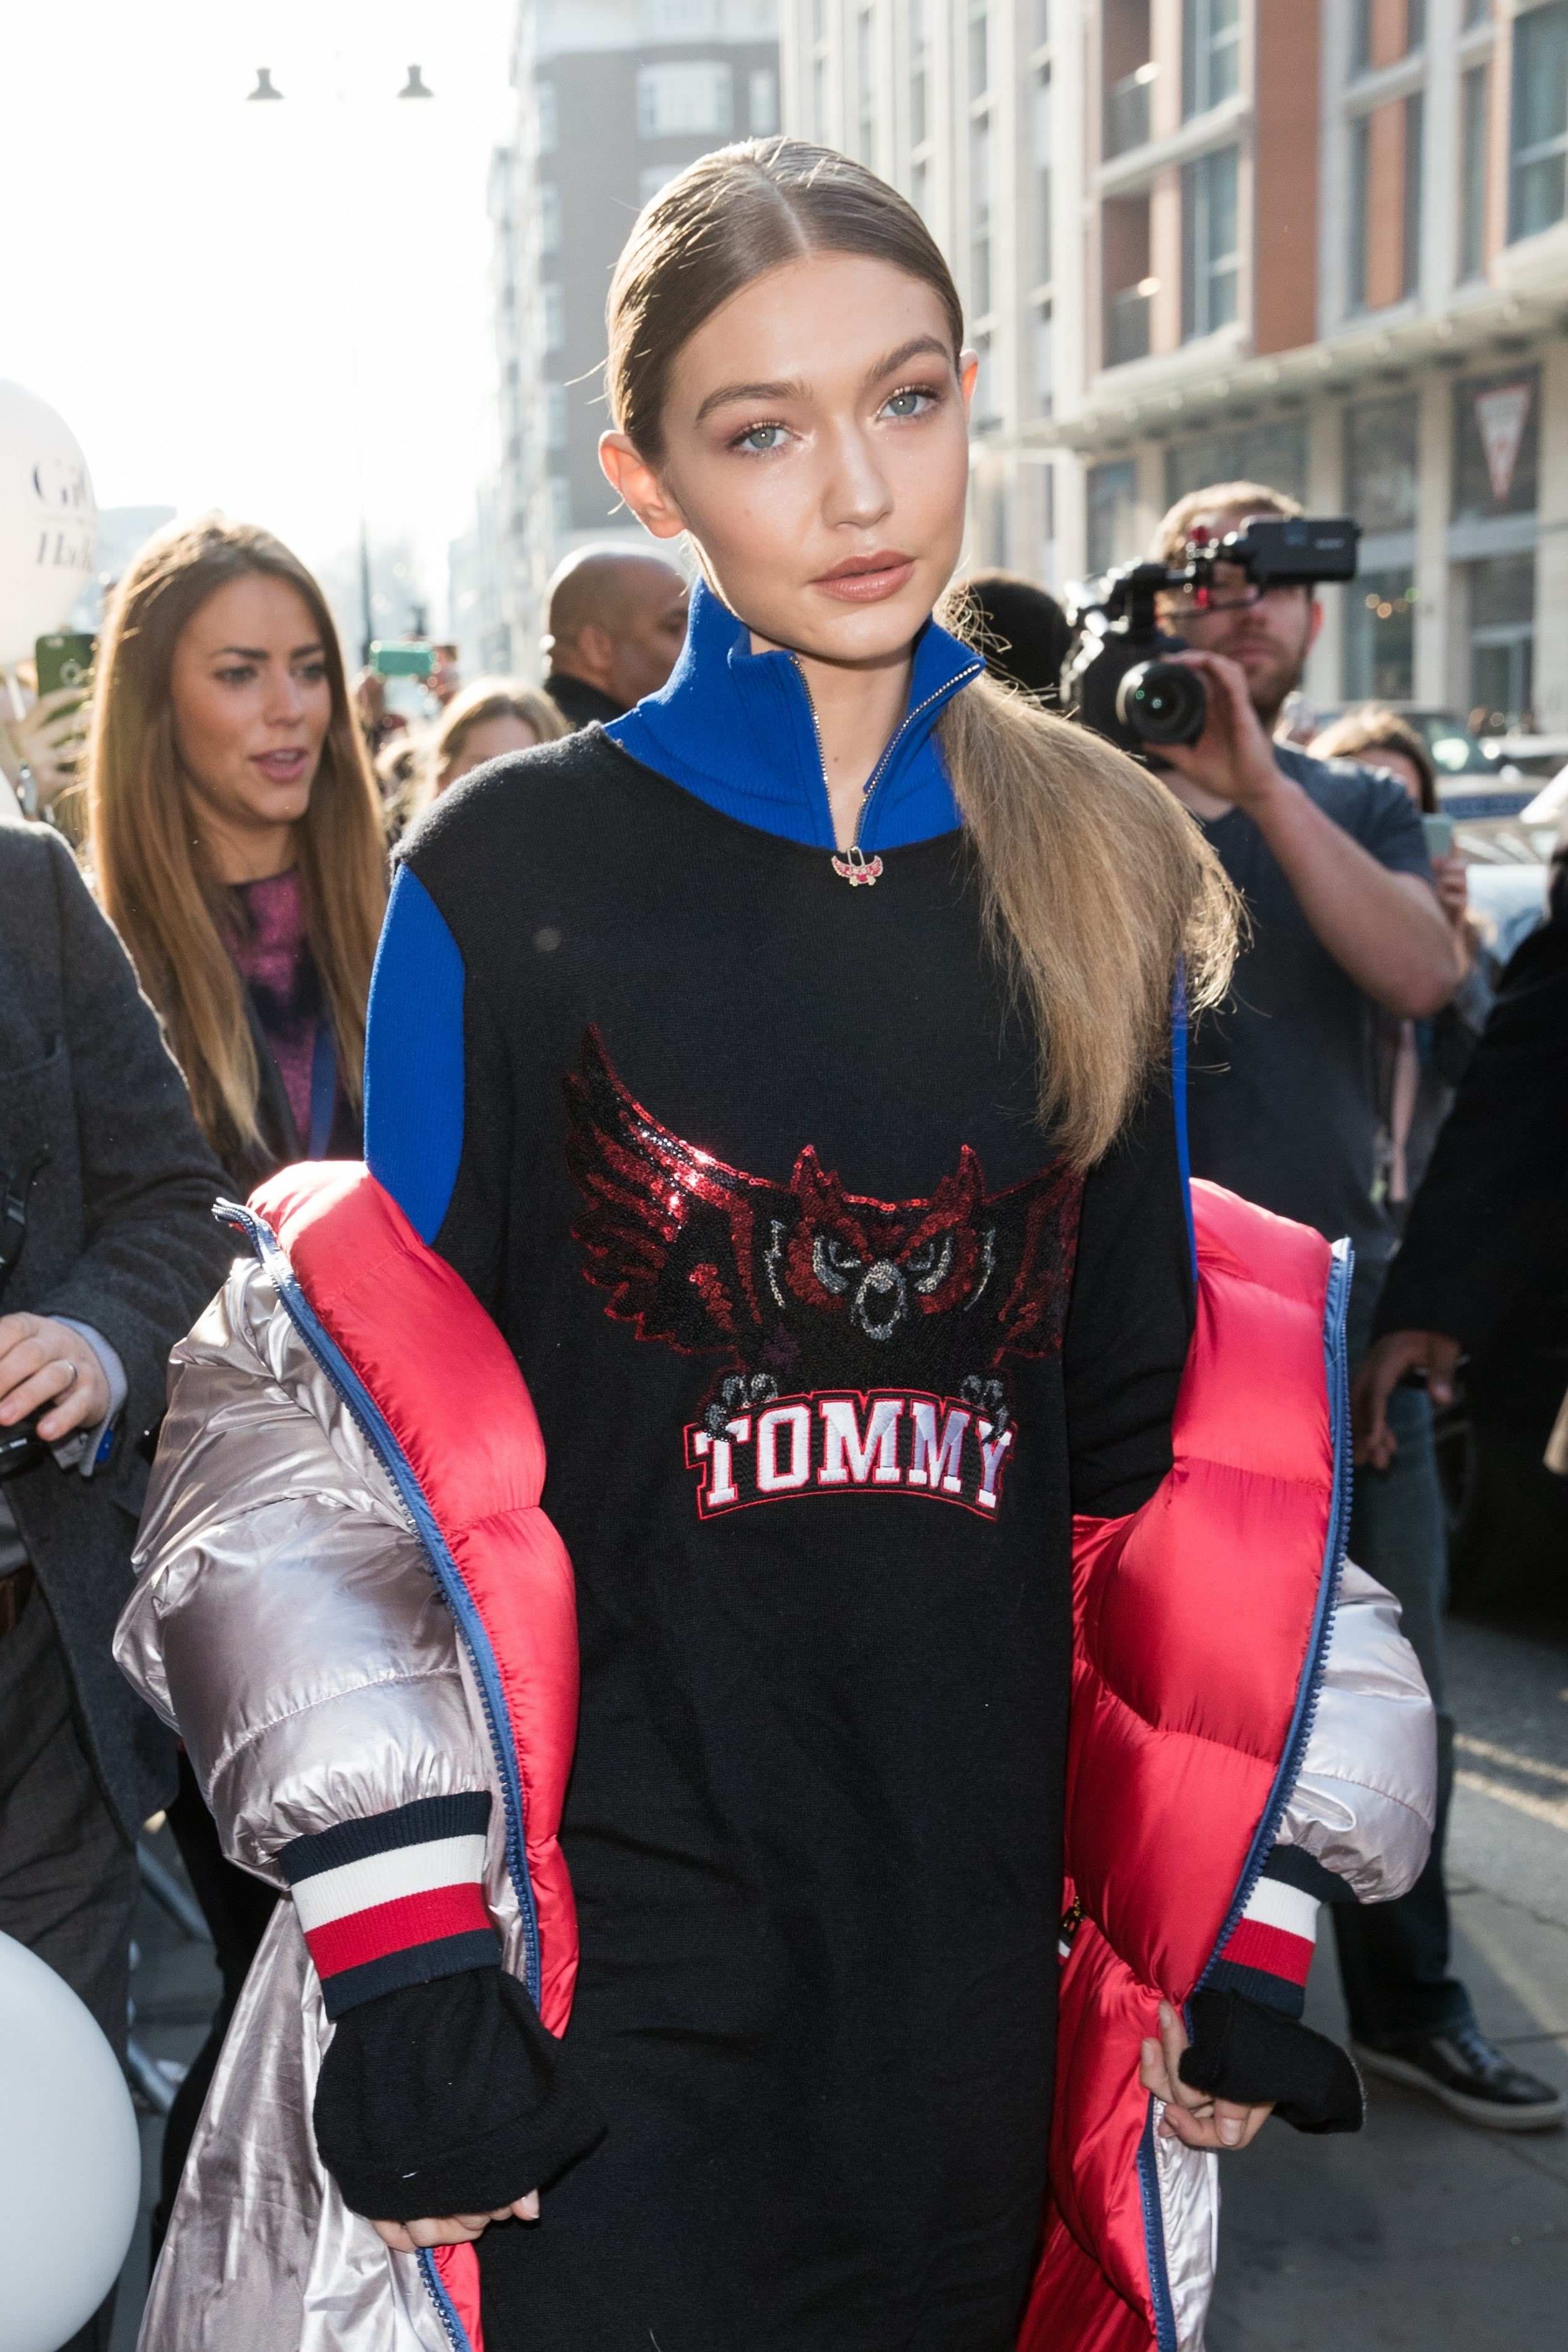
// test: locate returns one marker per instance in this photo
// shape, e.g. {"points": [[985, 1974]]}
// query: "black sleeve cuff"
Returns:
{"points": [[1240, 2051], [448, 2097]]}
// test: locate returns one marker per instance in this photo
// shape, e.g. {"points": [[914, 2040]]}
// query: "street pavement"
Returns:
{"points": [[1422, 2230], [1419, 2231]]}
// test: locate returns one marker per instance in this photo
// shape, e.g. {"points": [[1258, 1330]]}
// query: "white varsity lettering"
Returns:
{"points": [[846, 1455], [852, 1442], [936, 1462], [993, 1452], [721, 1487], [797, 1419]]}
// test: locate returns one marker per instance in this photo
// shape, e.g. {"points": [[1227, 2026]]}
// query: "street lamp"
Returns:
{"points": [[415, 86]]}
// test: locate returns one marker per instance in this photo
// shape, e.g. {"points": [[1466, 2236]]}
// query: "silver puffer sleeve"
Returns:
{"points": [[285, 1621], [1365, 1802]]}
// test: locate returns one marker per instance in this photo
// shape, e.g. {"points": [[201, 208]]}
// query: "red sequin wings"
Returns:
{"points": [[863, 1339]]}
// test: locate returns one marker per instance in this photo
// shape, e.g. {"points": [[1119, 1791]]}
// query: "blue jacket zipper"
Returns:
{"points": [[1307, 1695]]}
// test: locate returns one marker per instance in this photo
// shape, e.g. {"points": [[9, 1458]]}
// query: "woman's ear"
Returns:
{"points": [[635, 482], [968, 376]]}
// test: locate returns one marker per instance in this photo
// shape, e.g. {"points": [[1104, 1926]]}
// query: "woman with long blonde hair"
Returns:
{"points": [[235, 837], [772, 1314], [236, 847]]}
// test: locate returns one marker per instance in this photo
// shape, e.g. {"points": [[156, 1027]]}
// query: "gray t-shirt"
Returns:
{"points": [[1282, 1095]]}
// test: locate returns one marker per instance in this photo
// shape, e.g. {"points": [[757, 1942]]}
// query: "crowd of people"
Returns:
{"points": [[768, 877]]}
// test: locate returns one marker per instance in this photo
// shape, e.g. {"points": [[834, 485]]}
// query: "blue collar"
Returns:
{"points": [[737, 729]]}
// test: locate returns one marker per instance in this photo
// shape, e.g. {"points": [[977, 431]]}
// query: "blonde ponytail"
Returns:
{"points": [[1099, 886]]}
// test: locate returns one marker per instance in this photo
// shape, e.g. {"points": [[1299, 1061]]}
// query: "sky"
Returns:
{"points": [[260, 308]]}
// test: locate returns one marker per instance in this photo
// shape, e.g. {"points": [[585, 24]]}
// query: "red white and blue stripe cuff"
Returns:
{"points": [[395, 1899], [1268, 1954]]}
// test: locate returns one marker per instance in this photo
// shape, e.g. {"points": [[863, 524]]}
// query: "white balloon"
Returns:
{"points": [[48, 520], [70, 2159]]}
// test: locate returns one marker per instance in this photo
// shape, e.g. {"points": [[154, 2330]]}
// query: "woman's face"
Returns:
{"points": [[252, 703], [491, 740], [816, 447]]}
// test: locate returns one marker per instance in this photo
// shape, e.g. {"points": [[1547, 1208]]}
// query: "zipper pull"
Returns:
{"points": [[857, 868]]}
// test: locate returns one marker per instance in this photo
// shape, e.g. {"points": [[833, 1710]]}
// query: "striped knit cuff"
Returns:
{"points": [[1269, 1952], [394, 1900]]}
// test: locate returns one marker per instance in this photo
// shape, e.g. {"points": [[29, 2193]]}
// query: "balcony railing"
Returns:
{"points": [[1127, 327], [1127, 112]]}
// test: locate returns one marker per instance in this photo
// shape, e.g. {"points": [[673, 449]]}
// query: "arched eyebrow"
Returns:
{"points": [[917, 347], [261, 653]]}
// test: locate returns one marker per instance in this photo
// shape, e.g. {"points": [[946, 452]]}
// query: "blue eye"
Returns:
{"points": [[911, 403], [761, 439]]}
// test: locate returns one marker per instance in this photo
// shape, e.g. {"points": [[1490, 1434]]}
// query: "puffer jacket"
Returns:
{"points": [[350, 1599]]}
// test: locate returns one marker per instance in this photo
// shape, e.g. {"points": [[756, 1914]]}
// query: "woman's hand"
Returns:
{"points": [[454, 2228], [47, 741], [41, 1360], [1192, 2117], [1453, 896]]}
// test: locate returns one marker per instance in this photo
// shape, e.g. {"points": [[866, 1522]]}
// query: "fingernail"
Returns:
{"points": [[1167, 2015], [1231, 2131]]}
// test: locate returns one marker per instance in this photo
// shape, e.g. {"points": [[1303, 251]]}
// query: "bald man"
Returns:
{"points": [[615, 622]]}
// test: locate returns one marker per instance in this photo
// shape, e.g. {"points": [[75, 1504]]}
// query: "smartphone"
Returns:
{"points": [[407, 657], [64, 659], [1439, 833]]}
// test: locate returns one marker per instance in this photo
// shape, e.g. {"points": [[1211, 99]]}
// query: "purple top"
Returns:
{"points": [[272, 954]]}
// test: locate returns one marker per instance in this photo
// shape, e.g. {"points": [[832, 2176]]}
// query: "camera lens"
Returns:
{"points": [[1162, 702]]}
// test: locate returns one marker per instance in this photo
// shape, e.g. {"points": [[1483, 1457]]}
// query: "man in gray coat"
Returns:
{"points": [[108, 1253]]}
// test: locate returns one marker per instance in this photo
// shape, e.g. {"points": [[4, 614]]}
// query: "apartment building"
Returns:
{"points": [[1322, 242], [615, 96]]}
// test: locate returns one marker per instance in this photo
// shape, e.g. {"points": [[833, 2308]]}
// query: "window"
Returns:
{"points": [[865, 84], [1360, 177], [1044, 253], [762, 103], [1275, 453], [917, 122], [545, 101], [689, 100], [980, 215], [1113, 532], [1380, 464], [1210, 261], [819, 98], [1380, 638], [549, 218], [555, 417], [983, 413], [1474, 94], [678, 20], [1540, 140], [651, 180], [1503, 640], [1044, 366], [1378, 38], [1477, 12], [980, 48], [920, 191], [554, 312], [1410, 244], [560, 504], [1496, 439], [1210, 53]]}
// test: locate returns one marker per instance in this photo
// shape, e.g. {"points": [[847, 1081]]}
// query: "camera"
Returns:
{"points": [[1118, 677]]}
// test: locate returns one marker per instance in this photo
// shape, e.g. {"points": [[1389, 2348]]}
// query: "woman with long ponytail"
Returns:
{"points": [[798, 1731]]}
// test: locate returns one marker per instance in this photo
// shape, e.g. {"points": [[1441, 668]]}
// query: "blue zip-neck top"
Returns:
{"points": [[737, 729]]}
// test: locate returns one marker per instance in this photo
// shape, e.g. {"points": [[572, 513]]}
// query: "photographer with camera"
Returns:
{"points": [[1283, 1097]]}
